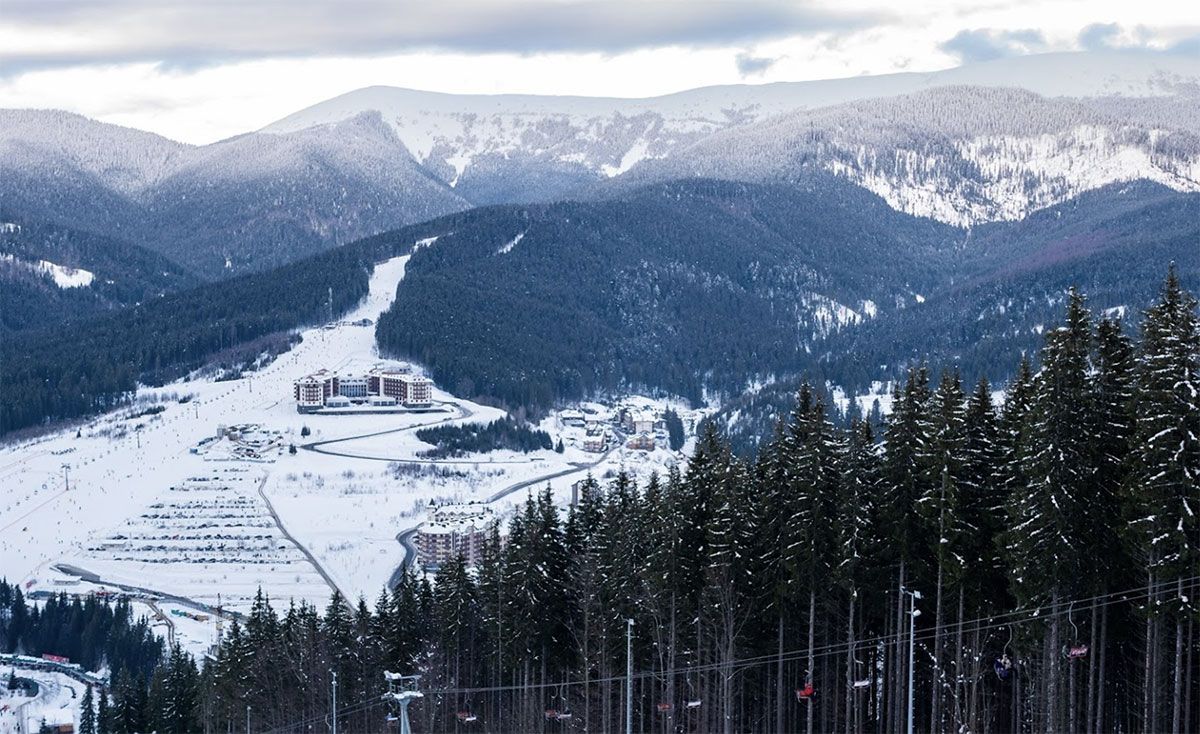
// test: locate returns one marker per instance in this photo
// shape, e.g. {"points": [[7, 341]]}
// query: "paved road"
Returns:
{"points": [[404, 537], [319, 446], [279, 523], [165, 619], [142, 591]]}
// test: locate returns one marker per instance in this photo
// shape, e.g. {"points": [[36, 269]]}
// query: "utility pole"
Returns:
{"points": [[628, 676], [66, 477], [334, 701], [912, 638]]}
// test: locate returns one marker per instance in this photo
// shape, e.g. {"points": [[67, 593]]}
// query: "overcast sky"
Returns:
{"points": [[201, 70]]}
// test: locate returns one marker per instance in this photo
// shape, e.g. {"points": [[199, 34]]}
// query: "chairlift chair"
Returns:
{"points": [[806, 693], [1075, 650], [551, 714], [563, 715], [694, 703], [664, 707]]}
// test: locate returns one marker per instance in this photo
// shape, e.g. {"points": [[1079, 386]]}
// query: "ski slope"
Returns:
{"points": [[128, 501]]}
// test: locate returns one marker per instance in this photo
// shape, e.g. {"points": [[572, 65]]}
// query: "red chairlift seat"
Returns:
{"points": [[664, 707], [466, 716], [1076, 651], [551, 714], [805, 693]]}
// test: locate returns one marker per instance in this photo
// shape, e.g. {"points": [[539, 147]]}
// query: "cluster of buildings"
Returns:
{"points": [[454, 530], [240, 442], [377, 390]]}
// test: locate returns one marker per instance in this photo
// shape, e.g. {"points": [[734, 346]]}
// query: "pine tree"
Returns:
{"points": [[904, 441], [942, 460], [87, 713], [1165, 475], [1047, 542], [103, 714]]}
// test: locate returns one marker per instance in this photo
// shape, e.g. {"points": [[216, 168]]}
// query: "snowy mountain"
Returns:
{"points": [[495, 148], [961, 155], [242, 204], [983, 142]]}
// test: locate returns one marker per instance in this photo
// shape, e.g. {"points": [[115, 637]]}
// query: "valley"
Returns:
{"points": [[142, 500]]}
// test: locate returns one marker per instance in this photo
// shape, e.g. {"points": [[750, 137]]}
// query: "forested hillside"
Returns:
{"points": [[78, 369], [1051, 546], [685, 286], [109, 274], [1008, 282]]}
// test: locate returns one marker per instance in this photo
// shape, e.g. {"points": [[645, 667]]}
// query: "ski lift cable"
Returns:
{"points": [[990, 622]]}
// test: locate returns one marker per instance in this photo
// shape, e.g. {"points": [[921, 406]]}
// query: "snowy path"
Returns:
{"points": [[307, 554]]}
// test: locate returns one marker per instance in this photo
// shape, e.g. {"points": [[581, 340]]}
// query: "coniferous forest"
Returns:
{"points": [[1025, 564]]}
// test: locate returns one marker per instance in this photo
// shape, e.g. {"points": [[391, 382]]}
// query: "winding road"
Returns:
{"points": [[404, 537], [141, 591]]}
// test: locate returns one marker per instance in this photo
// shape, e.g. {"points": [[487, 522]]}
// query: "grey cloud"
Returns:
{"points": [[1187, 47], [184, 34], [749, 65], [1103, 36], [986, 44], [1098, 36]]}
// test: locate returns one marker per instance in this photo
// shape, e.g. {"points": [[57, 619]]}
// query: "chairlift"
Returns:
{"points": [[466, 717], [563, 715], [664, 707], [864, 683], [694, 703], [1074, 650], [806, 693], [551, 714], [1003, 665]]}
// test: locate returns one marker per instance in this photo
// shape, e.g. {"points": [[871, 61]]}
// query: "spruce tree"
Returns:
{"points": [[87, 713]]}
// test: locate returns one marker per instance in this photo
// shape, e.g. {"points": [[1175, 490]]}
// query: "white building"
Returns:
{"points": [[453, 530]]}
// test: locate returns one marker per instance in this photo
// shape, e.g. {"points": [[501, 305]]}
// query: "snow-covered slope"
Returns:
{"points": [[124, 159], [466, 138], [977, 143], [961, 155]]}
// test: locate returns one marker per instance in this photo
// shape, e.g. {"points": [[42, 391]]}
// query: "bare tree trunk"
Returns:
{"points": [[1071, 695], [1100, 700], [1177, 693], [812, 614], [1090, 713], [849, 667], [958, 665], [1147, 668], [1051, 723], [935, 686], [779, 670], [1187, 687], [898, 679]]}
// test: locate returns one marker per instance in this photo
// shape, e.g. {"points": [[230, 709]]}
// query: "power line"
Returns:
{"points": [[1030, 615], [1002, 620]]}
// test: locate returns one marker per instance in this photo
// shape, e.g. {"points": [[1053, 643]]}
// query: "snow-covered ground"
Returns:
{"points": [[139, 498], [57, 702]]}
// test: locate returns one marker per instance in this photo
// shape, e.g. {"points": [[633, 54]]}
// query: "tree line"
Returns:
{"points": [[1051, 545], [501, 434]]}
